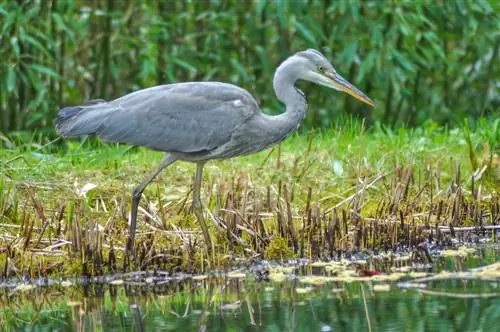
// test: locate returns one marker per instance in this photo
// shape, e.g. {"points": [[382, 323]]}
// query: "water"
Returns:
{"points": [[464, 302]]}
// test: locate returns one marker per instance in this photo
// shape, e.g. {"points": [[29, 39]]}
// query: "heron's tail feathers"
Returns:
{"points": [[83, 119]]}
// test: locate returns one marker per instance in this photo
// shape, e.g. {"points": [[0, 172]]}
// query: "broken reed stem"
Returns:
{"points": [[350, 198]]}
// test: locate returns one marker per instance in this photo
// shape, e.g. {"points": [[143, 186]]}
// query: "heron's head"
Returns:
{"points": [[314, 67]]}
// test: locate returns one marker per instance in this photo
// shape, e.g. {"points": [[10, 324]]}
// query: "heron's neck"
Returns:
{"points": [[293, 98]]}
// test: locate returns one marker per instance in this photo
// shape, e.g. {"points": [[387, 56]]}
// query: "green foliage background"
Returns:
{"points": [[419, 60]]}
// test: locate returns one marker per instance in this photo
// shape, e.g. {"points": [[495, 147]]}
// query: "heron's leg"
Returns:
{"points": [[198, 209], [137, 193]]}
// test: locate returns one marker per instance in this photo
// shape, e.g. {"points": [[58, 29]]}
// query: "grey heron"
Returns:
{"points": [[200, 121]]}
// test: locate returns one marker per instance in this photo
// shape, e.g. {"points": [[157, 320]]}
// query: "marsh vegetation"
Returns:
{"points": [[317, 196]]}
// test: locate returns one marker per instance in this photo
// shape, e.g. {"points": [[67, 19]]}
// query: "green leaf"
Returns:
{"points": [[171, 72], [15, 45], [349, 53], [9, 23], [403, 61], [241, 70], [280, 6], [62, 26], [438, 49], [11, 79], [184, 64], [210, 74], [38, 100], [260, 6], [354, 5], [366, 65], [264, 59], [45, 70], [305, 33], [36, 44]]}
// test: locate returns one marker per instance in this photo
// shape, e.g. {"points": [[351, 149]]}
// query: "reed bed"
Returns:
{"points": [[320, 195]]}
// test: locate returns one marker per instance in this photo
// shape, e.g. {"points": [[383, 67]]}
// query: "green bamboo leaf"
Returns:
{"points": [[403, 61], [241, 70], [33, 12], [349, 53], [210, 74], [34, 117], [281, 13], [9, 22], [35, 80], [36, 44], [172, 78], [427, 54], [402, 24], [61, 26], [15, 45], [45, 70], [41, 35], [23, 78], [11, 79], [438, 49], [147, 68], [21, 33], [354, 5], [377, 36], [260, 6], [264, 59], [343, 7], [39, 98], [305, 33], [420, 60], [184, 64], [366, 65]]}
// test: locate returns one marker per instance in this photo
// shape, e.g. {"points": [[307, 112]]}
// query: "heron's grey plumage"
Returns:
{"points": [[170, 118], [199, 121]]}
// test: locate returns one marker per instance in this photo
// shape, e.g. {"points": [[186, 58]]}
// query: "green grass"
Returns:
{"points": [[289, 201]]}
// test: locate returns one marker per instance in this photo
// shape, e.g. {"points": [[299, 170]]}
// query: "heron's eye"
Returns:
{"points": [[321, 69]]}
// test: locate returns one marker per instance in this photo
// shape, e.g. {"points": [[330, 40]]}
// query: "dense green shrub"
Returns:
{"points": [[420, 60]]}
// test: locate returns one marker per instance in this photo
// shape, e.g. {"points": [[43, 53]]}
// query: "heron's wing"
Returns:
{"points": [[186, 117]]}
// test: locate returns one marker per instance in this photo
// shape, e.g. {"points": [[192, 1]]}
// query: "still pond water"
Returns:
{"points": [[287, 302]]}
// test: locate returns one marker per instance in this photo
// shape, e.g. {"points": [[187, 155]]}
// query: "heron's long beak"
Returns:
{"points": [[337, 82]]}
